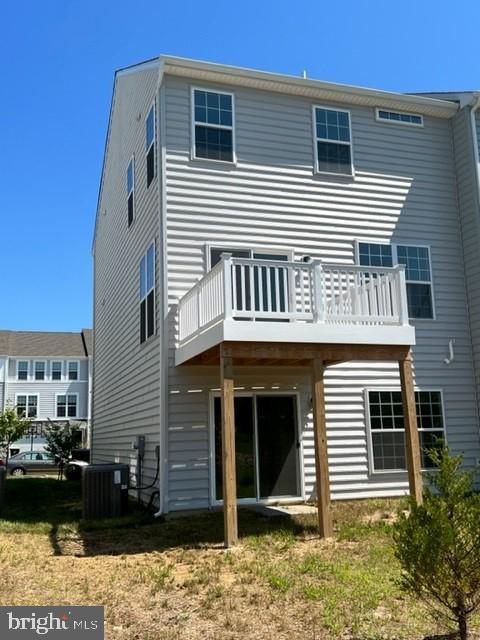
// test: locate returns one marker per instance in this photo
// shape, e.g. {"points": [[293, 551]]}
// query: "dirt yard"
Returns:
{"points": [[173, 580]]}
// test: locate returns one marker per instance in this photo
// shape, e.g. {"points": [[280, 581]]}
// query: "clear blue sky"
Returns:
{"points": [[57, 64]]}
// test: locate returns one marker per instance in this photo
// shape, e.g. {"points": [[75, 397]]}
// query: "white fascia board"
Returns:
{"points": [[233, 331], [306, 87]]}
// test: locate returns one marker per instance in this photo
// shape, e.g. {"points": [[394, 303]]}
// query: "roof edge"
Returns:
{"points": [[304, 86]]}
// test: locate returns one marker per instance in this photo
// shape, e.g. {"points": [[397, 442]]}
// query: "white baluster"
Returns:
{"points": [[227, 286]]}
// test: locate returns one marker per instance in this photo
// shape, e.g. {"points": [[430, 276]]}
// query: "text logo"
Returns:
{"points": [[58, 623]]}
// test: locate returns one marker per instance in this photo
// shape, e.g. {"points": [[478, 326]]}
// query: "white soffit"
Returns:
{"points": [[313, 89]]}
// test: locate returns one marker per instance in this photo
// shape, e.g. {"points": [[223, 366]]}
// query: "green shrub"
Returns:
{"points": [[438, 543]]}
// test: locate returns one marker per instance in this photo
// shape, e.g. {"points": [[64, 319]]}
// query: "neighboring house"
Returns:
{"points": [[259, 218], [47, 376]]}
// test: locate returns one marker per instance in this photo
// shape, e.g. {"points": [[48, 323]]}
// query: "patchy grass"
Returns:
{"points": [[173, 580]]}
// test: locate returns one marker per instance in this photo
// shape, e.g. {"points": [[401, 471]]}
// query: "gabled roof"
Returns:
{"points": [[46, 344], [87, 335]]}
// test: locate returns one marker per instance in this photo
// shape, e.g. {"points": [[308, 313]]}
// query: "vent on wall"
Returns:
{"points": [[397, 117]]}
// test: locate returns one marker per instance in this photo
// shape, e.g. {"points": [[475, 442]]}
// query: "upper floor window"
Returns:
{"points": [[333, 145], [67, 405], [40, 370], [147, 294], [419, 280], [150, 144], [417, 273], [22, 370], [387, 429], [130, 191], [73, 370], [213, 125], [396, 117], [27, 406], [56, 370]]}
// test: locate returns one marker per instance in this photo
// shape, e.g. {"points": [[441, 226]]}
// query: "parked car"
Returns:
{"points": [[31, 462], [80, 459]]}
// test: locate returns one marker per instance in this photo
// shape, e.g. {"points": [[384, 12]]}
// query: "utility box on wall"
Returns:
{"points": [[105, 490]]}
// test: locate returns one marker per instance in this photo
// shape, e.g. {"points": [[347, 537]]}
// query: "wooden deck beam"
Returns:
{"points": [[228, 452], [297, 354], [325, 525], [411, 429]]}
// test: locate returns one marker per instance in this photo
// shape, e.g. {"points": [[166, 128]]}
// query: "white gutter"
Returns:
{"points": [[163, 296], [473, 127]]}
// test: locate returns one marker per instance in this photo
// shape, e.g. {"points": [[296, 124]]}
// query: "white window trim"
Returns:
{"points": [[153, 143], [61, 370], [316, 170], [300, 449], [371, 464], [67, 372], [394, 246], [66, 394], [27, 394], [243, 247], [35, 362], [132, 190], [147, 291], [400, 122], [18, 368], [193, 156]]}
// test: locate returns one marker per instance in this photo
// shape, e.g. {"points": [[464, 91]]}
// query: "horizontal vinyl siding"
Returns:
{"points": [[47, 392], [126, 373], [404, 191], [470, 223]]}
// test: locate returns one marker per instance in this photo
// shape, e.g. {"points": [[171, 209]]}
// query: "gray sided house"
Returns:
{"points": [[264, 222], [47, 376]]}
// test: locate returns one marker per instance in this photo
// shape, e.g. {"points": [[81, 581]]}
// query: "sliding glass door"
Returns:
{"points": [[266, 447]]}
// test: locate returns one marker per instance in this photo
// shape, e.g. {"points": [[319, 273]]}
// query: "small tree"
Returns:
{"points": [[61, 440], [438, 543], [12, 427]]}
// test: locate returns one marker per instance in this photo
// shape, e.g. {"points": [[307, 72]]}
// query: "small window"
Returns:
{"points": [[419, 280], [396, 117], [147, 294], [56, 370], [39, 370], [388, 431], [213, 125], [130, 191], [150, 145], [67, 405], [73, 370], [333, 145], [27, 406], [22, 370]]}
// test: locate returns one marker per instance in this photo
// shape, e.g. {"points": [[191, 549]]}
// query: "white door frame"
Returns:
{"points": [[300, 457]]}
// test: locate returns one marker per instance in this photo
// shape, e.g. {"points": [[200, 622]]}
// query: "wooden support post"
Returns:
{"points": [[411, 430], [321, 453], [228, 453]]}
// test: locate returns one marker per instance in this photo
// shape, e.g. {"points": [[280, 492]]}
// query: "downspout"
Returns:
{"points": [[89, 400], [163, 297], [475, 105]]}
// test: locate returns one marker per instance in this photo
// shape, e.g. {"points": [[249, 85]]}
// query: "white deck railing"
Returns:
{"points": [[312, 292]]}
